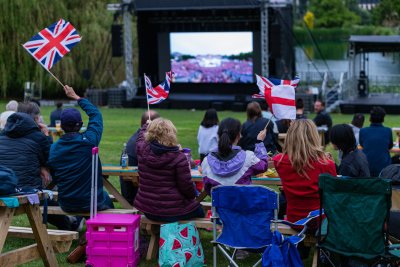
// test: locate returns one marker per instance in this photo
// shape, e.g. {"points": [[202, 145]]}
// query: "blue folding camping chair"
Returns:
{"points": [[246, 212]]}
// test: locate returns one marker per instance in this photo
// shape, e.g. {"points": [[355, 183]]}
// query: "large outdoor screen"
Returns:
{"points": [[212, 57]]}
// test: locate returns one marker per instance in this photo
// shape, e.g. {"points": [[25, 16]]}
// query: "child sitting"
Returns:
{"points": [[229, 164]]}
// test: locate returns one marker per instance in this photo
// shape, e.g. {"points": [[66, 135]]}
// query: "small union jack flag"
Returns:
{"points": [[52, 43], [280, 96], [160, 92]]}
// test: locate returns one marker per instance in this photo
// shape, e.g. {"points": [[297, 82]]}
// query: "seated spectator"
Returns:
{"points": [[207, 135], [322, 119], [268, 114], [70, 158], [392, 172], [283, 125], [56, 114], [228, 164], [128, 190], [356, 124], [300, 109], [166, 191], [376, 141], [24, 148], [252, 127], [11, 108], [354, 163], [299, 167]]}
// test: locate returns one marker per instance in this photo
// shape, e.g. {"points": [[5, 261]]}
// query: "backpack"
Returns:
{"points": [[8, 181], [391, 172]]}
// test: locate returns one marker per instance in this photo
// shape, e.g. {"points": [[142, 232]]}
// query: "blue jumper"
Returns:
{"points": [[376, 141], [70, 161]]}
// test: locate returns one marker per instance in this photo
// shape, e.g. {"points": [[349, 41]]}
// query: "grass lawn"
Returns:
{"points": [[120, 124]]}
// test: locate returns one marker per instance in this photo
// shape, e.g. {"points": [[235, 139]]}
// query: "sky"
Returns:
{"points": [[215, 43]]}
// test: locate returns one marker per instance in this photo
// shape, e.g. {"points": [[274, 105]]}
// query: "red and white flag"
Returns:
{"points": [[280, 96]]}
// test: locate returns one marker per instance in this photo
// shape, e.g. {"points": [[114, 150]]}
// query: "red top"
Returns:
{"points": [[301, 192]]}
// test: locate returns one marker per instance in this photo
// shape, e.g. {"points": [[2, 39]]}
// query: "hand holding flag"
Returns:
{"points": [[280, 96], [52, 43]]}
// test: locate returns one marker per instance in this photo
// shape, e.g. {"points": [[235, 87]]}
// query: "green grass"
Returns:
{"points": [[120, 124]]}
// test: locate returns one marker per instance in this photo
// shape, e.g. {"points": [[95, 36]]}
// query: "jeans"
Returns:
{"points": [[197, 213]]}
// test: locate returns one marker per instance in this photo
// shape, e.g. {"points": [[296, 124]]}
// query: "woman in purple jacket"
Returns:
{"points": [[166, 192], [229, 164]]}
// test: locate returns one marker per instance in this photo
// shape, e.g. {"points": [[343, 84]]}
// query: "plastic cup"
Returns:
{"points": [[58, 125]]}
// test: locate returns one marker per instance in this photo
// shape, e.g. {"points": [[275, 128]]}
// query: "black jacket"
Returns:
{"points": [[323, 118], [354, 164], [250, 131], [24, 149]]}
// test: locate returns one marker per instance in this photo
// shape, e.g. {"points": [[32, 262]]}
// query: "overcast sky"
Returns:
{"points": [[216, 43]]}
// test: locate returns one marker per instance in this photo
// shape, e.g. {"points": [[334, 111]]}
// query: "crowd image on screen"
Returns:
{"points": [[211, 69]]}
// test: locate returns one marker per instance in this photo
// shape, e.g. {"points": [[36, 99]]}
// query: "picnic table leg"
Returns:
{"points": [[39, 229], [111, 189], [154, 232], [6, 215]]}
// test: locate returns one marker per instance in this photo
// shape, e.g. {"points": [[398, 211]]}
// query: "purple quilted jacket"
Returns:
{"points": [[165, 184]]}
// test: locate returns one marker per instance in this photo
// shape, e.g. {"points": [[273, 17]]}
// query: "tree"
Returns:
{"points": [[387, 13], [332, 13]]}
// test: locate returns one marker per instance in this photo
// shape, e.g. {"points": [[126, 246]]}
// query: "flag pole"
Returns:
{"points": [[147, 96], [55, 77]]}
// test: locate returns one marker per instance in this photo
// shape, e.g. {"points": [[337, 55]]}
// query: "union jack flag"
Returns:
{"points": [[52, 43], [280, 96], [160, 92]]}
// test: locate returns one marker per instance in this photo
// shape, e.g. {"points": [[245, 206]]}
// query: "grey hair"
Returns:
{"points": [[12, 106]]}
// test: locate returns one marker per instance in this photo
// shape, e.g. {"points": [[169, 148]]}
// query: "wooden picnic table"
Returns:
{"points": [[43, 245], [131, 174]]}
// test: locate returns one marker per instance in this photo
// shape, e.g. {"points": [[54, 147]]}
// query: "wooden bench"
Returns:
{"points": [[153, 229], [56, 210], [60, 240]]}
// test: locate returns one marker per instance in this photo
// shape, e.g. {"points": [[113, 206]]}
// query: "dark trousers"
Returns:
{"points": [[197, 213], [128, 190], [62, 222]]}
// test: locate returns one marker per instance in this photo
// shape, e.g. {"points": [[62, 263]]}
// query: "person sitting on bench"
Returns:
{"points": [[70, 159]]}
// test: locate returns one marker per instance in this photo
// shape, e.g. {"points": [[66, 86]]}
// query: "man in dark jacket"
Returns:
{"points": [[376, 141], [128, 190], [24, 148], [322, 118], [70, 158], [56, 114]]}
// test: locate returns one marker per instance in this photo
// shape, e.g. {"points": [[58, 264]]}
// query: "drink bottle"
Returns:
{"points": [[124, 158]]}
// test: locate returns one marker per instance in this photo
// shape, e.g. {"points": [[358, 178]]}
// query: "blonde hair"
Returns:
{"points": [[163, 131], [303, 146]]}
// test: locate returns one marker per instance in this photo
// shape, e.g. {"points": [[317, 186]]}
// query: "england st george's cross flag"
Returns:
{"points": [[280, 96], [52, 43]]}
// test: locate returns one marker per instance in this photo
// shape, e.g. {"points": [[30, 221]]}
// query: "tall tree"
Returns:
{"points": [[387, 13], [332, 13]]}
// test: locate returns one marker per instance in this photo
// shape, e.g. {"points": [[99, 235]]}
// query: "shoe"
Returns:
{"points": [[241, 254], [77, 225]]}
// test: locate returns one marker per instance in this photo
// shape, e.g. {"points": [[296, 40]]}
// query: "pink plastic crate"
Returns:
{"points": [[113, 240]]}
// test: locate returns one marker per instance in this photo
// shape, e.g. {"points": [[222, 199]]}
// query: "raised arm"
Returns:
{"points": [[95, 127]]}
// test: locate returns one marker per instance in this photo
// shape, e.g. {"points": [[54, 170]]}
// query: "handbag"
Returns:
{"points": [[180, 246]]}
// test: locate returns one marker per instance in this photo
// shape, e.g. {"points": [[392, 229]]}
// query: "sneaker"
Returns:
{"points": [[77, 225]]}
